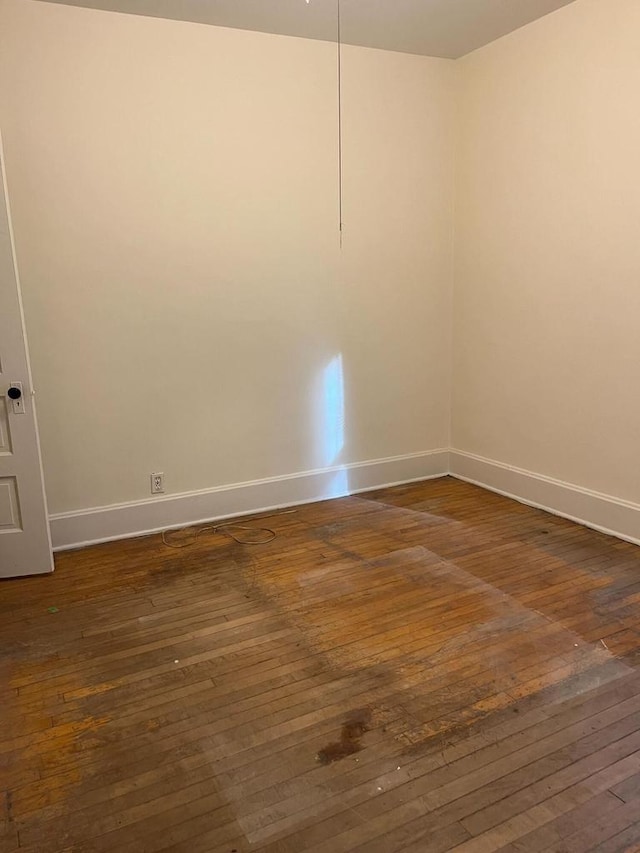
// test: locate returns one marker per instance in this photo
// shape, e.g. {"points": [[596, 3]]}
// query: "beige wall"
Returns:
{"points": [[547, 290], [174, 193], [175, 203]]}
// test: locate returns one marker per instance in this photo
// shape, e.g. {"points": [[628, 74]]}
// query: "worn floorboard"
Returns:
{"points": [[428, 668]]}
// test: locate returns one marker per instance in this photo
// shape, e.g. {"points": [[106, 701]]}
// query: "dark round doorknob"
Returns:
{"points": [[14, 393]]}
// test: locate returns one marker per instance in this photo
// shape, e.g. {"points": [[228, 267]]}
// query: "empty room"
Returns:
{"points": [[319, 486]]}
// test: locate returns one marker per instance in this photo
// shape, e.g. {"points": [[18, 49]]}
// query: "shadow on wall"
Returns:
{"points": [[330, 418]]}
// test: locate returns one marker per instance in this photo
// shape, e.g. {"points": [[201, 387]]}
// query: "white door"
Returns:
{"points": [[25, 544]]}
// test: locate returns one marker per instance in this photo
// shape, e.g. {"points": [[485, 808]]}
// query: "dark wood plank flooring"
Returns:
{"points": [[424, 668]]}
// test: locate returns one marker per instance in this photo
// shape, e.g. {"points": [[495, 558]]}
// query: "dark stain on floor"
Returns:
{"points": [[356, 725]]}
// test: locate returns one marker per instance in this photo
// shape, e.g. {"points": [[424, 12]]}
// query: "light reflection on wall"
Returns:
{"points": [[331, 426]]}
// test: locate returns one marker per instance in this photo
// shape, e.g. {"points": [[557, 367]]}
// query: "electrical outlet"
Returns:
{"points": [[157, 484]]}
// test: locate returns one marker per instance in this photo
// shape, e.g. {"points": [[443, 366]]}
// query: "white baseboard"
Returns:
{"points": [[601, 512], [137, 518]]}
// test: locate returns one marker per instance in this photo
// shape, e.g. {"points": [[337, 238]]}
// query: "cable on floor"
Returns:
{"points": [[260, 535]]}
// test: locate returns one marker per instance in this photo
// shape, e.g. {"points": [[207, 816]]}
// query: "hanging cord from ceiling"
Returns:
{"points": [[235, 530], [340, 181]]}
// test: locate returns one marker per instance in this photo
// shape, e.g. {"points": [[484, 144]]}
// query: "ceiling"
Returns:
{"points": [[445, 28]]}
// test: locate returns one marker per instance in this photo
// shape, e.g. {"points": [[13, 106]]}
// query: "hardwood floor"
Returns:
{"points": [[424, 668]]}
